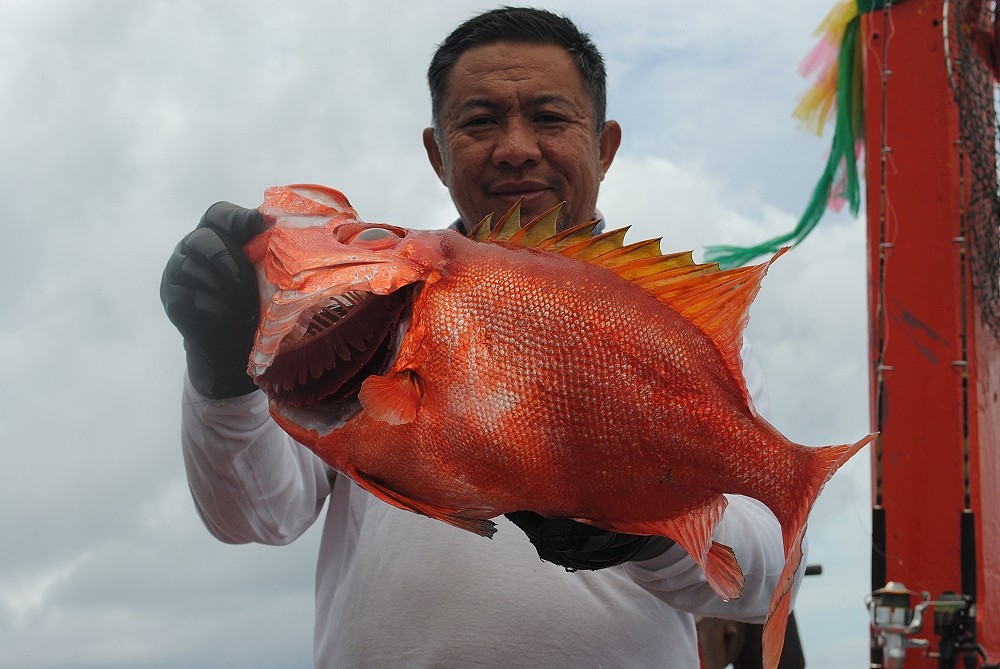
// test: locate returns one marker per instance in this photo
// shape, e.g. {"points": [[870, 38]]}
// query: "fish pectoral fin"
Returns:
{"points": [[481, 526], [392, 399]]}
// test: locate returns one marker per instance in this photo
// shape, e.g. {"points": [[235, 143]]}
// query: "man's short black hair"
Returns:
{"points": [[519, 25]]}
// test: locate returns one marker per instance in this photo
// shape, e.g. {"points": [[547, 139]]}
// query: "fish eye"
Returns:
{"points": [[374, 234]]}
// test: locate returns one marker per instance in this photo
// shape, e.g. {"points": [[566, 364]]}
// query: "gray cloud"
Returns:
{"points": [[124, 120]]}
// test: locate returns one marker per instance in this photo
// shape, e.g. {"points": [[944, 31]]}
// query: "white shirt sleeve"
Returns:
{"points": [[250, 481]]}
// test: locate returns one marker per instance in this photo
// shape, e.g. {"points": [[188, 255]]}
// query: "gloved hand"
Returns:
{"points": [[575, 545], [209, 291]]}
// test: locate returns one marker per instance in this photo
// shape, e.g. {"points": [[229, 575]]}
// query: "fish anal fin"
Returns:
{"points": [[392, 399], [481, 526], [723, 571], [693, 531], [694, 534]]}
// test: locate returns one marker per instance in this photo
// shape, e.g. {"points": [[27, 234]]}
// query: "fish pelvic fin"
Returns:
{"points": [[455, 517], [826, 461], [715, 301]]}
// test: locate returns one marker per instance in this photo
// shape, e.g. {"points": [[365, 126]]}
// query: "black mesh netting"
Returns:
{"points": [[972, 57]]}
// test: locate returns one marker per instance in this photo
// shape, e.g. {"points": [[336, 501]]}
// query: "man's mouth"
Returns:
{"points": [[531, 192]]}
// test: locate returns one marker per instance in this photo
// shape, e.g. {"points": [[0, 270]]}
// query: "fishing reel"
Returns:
{"points": [[896, 619]]}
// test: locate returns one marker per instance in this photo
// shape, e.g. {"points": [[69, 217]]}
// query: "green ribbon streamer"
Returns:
{"points": [[842, 163]]}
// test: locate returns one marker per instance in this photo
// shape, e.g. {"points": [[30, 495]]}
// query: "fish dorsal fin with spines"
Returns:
{"points": [[504, 228], [716, 301], [568, 237], [592, 248], [537, 230]]}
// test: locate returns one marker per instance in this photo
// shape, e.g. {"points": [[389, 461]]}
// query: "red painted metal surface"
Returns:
{"points": [[985, 466], [939, 436]]}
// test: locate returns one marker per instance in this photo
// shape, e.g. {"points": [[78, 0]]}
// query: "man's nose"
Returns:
{"points": [[517, 144]]}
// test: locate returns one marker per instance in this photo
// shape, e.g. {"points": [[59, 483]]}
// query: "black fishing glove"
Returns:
{"points": [[574, 545], [209, 291]]}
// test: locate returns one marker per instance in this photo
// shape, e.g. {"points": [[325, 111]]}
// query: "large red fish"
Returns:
{"points": [[525, 369]]}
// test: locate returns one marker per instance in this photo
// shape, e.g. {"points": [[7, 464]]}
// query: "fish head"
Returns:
{"points": [[335, 296]]}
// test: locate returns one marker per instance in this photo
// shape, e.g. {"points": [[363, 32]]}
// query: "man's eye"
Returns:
{"points": [[479, 121], [549, 119]]}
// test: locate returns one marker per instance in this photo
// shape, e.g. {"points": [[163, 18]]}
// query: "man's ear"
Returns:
{"points": [[434, 153], [610, 140]]}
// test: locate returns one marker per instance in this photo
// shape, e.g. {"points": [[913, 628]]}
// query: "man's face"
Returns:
{"points": [[517, 121]]}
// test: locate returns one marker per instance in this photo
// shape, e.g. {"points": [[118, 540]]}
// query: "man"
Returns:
{"points": [[518, 112]]}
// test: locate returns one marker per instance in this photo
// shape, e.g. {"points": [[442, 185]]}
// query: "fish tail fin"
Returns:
{"points": [[822, 463], [773, 638], [826, 461]]}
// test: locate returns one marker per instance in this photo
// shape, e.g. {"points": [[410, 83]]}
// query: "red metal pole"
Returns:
{"points": [[934, 369]]}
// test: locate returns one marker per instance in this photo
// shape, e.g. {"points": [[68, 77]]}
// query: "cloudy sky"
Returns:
{"points": [[122, 120]]}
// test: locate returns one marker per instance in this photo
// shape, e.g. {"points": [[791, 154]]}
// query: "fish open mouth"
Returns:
{"points": [[345, 340]]}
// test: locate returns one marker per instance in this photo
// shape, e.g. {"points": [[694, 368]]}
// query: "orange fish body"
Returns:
{"points": [[564, 374]]}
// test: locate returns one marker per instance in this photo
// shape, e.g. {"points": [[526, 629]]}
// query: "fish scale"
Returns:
{"points": [[557, 372]]}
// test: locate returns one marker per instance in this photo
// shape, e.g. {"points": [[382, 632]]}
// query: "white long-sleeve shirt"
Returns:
{"points": [[395, 589]]}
